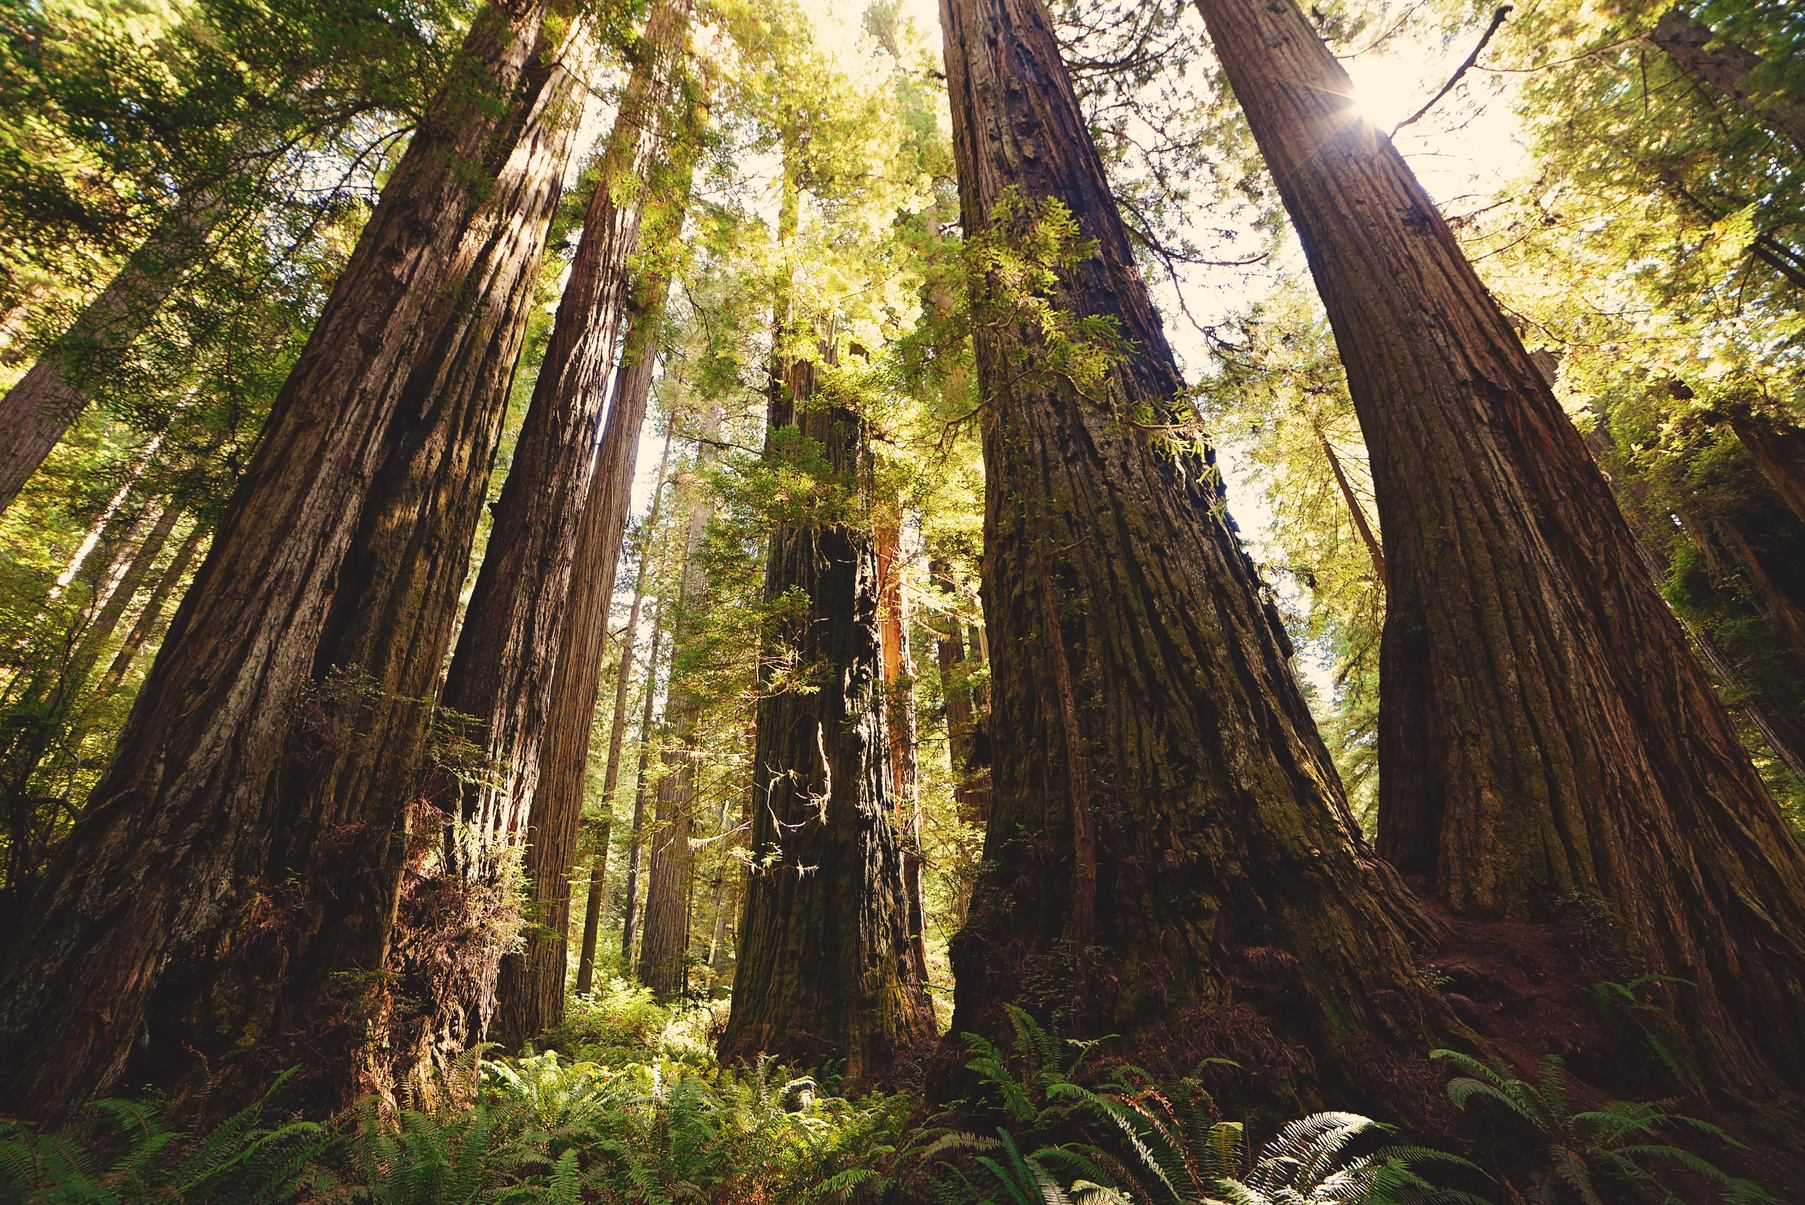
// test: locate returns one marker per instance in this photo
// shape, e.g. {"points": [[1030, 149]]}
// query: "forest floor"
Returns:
{"points": [[626, 1102]]}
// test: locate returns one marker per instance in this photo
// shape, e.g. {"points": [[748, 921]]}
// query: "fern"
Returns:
{"points": [[1613, 1142], [235, 1163]]}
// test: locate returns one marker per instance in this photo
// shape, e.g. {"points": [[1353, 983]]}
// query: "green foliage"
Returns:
{"points": [[1638, 1002], [1130, 1139], [126, 1151], [1015, 269], [1586, 1148], [619, 1022]]}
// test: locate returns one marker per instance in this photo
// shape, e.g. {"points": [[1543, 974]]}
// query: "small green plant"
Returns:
{"points": [[618, 1023], [1635, 1003], [127, 1151], [1585, 1147], [1130, 1139]]}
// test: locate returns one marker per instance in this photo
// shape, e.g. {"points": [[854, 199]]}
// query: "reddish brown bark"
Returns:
{"points": [[507, 651], [525, 652], [1545, 731], [564, 754], [230, 897], [1167, 830], [825, 967]]}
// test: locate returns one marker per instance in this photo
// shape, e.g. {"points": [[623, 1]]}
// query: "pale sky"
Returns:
{"points": [[1465, 150]]}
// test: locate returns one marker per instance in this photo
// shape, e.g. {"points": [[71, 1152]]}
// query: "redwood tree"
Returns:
{"points": [[1545, 731], [1167, 832], [507, 662], [664, 949], [229, 900], [825, 964]]}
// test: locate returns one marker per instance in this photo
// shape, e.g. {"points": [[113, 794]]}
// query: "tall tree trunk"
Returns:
{"points": [[1168, 839], [664, 953], [1355, 511], [825, 967], [104, 521], [1780, 721], [152, 611], [1545, 731], [969, 791], [617, 732], [899, 688], [971, 772], [636, 837], [51, 395], [43, 717], [564, 756], [1727, 68], [507, 651], [252, 886], [507, 665], [1778, 446]]}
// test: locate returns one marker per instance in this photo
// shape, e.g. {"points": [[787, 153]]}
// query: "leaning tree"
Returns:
{"points": [[1546, 736]]}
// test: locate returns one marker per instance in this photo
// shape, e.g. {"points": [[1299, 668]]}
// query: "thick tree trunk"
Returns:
{"points": [[230, 898], [825, 967], [525, 652], [507, 651], [664, 952], [564, 755], [1545, 731], [1727, 69], [1168, 837], [617, 732], [51, 395]]}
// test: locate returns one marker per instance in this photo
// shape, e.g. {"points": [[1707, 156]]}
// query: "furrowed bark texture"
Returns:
{"points": [[1727, 68], [1545, 731], [231, 893], [507, 651], [507, 665], [537, 996], [1166, 827], [825, 966], [51, 395], [664, 950]]}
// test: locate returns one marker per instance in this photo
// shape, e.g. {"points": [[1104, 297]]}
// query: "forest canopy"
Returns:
{"points": [[1018, 600]]}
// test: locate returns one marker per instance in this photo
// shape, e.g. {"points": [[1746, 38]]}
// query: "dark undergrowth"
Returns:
{"points": [[625, 1106]]}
